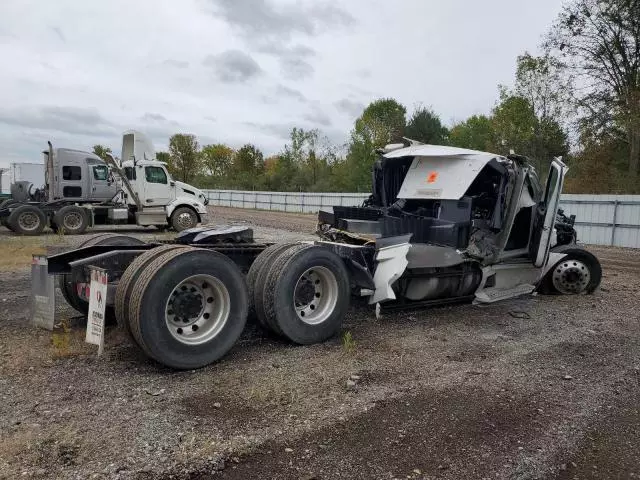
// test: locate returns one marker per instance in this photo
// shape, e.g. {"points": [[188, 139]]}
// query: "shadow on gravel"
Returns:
{"points": [[461, 433]]}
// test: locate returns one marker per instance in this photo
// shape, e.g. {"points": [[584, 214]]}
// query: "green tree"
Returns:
{"points": [[101, 151], [425, 126], [163, 157], [248, 167], [599, 42], [217, 159], [382, 122], [516, 127], [476, 133], [544, 83], [184, 156]]}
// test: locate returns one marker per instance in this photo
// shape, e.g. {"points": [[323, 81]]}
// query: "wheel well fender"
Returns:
{"points": [[560, 252], [178, 204]]}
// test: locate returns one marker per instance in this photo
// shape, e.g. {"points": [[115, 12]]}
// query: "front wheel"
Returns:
{"points": [[579, 272], [183, 218]]}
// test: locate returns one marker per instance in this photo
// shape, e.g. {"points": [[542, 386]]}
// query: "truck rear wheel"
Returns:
{"points": [[27, 220], [188, 307], [72, 220], [257, 266], [128, 279], [307, 294], [183, 218], [69, 286]]}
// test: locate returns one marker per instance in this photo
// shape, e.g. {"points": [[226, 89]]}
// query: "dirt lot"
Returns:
{"points": [[539, 387]]}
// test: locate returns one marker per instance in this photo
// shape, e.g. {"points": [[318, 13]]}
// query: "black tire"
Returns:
{"points": [[6, 202], [332, 304], [68, 287], [260, 282], [574, 253], [27, 220], [128, 279], [179, 220], [261, 260], [4, 221], [72, 220], [153, 288]]}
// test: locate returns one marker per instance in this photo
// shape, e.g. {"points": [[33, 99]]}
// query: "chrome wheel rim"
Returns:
{"points": [[186, 220], [571, 277], [315, 295], [197, 309], [28, 221], [72, 221]]}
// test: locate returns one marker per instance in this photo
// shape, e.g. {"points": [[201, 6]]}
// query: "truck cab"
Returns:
{"points": [[160, 194], [81, 176]]}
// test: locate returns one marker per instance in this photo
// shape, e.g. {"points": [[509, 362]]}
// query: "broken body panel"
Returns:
{"points": [[474, 224]]}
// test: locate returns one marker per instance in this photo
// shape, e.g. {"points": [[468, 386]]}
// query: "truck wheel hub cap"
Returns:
{"points": [[185, 220], [28, 221], [197, 309], [315, 295], [72, 220], [571, 277]]}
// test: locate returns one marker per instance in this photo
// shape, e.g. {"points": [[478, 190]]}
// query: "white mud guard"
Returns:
{"points": [[392, 262]]}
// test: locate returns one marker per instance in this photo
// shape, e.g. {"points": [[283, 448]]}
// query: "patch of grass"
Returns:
{"points": [[16, 251], [348, 343]]}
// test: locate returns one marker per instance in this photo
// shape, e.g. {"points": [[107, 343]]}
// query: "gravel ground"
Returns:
{"points": [[538, 387]]}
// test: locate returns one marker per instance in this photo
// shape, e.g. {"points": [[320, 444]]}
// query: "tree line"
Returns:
{"points": [[579, 99]]}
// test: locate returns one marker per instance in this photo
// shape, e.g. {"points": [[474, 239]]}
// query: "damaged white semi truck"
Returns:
{"points": [[442, 225]]}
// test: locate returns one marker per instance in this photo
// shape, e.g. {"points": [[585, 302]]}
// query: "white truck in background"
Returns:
{"points": [[82, 190], [31, 173]]}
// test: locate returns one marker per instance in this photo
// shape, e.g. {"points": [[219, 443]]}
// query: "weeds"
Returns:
{"points": [[348, 343]]}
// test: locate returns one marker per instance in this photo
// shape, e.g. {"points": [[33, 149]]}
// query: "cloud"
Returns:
{"points": [[318, 117], [280, 130], [293, 60], [233, 66], [290, 93], [75, 120], [59, 34], [271, 28], [153, 117], [175, 63], [261, 20], [349, 107]]}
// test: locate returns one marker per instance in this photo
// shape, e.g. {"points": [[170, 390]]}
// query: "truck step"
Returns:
{"points": [[490, 295]]}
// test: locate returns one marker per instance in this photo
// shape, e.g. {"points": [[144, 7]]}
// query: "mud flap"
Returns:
{"points": [[391, 259], [43, 294]]}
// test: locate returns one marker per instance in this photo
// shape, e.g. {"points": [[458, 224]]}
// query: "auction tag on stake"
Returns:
{"points": [[97, 307]]}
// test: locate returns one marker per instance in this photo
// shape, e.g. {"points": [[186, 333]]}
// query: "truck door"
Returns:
{"points": [[156, 186], [102, 187], [545, 214]]}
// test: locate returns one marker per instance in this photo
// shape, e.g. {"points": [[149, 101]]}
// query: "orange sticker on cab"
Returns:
{"points": [[432, 177]]}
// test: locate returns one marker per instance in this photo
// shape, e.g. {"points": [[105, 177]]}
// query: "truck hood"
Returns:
{"points": [[184, 189]]}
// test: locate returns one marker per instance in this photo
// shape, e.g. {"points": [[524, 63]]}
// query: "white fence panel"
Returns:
{"points": [[600, 219]]}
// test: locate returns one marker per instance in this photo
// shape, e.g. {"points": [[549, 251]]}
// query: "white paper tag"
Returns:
{"points": [[97, 307]]}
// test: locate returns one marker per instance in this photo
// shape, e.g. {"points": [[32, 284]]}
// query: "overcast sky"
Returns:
{"points": [[81, 72]]}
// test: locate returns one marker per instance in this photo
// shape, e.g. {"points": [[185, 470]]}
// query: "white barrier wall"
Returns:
{"points": [[600, 219]]}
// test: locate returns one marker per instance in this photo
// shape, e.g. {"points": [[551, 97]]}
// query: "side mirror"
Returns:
{"points": [[172, 183]]}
